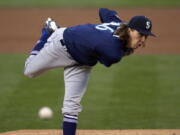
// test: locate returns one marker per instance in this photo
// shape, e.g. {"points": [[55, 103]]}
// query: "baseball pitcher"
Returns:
{"points": [[77, 49]]}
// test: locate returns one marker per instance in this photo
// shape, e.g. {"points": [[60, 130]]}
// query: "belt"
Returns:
{"points": [[63, 44]]}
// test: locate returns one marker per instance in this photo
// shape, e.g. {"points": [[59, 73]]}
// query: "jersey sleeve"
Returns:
{"points": [[107, 16], [109, 62], [109, 56]]}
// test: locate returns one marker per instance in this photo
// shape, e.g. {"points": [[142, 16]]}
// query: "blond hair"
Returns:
{"points": [[122, 32]]}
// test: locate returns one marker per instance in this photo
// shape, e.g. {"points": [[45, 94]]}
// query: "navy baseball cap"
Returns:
{"points": [[142, 24]]}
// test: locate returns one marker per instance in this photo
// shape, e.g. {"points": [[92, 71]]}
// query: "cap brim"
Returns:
{"points": [[147, 33], [151, 34]]}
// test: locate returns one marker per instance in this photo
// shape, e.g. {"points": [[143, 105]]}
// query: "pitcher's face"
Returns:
{"points": [[136, 39]]}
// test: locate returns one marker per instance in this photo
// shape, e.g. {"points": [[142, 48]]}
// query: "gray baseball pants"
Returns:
{"points": [[55, 55]]}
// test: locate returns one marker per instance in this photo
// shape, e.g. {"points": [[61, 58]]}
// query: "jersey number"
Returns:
{"points": [[106, 26]]}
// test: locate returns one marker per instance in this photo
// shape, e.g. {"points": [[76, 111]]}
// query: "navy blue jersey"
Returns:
{"points": [[90, 43]]}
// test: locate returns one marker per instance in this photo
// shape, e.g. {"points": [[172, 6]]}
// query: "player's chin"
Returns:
{"points": [[137, 46]]}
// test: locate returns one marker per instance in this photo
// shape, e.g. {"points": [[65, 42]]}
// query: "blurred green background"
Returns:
{"points": [[141, 92]]}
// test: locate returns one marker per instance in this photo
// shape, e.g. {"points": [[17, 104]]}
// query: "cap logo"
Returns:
{"points": [[148, 25]]}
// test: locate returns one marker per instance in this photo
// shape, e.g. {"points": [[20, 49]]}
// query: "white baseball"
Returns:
{"points": [[45, 113]]}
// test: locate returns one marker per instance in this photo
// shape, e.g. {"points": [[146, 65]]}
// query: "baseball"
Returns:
{"points": [[45, 113]]}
